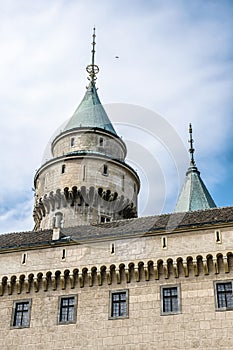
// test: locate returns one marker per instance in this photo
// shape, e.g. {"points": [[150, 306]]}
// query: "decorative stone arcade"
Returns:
{"points": [[87, 180]]}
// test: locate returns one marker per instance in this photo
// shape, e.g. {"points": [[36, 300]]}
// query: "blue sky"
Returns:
{"points": [[175, 60]]}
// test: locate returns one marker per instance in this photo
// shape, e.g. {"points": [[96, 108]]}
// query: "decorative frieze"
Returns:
{"points": [[123, 272]]}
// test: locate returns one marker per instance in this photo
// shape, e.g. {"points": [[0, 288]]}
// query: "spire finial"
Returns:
{"points": [[191, 149], [92, 69]]}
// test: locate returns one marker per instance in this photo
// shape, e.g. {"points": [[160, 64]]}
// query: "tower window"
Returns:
{"points": [[105, 169], [104, 219], [123, 183], [101, 142], [58, 220], [63, 169], [72, 141], [84, 172], [112, 248]]}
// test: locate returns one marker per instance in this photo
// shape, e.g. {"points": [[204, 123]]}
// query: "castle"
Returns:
{"points": [[93, 275]]}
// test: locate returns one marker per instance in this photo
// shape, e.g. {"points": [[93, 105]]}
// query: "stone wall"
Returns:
{"points": [[81, 172], [192, 260], [89, 140]]}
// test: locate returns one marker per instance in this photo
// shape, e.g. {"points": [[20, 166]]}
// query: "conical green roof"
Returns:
{"points": [[90, 113], [194, 194]]}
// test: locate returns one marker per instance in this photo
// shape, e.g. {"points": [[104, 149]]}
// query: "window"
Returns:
{"points": [[101, 141], [223, 294], [24, 257], [105, 169], [170, 300], [72, 141], [84, 172], [67, 309], [58, 220], [164, 242], [63, 254], [63, 168], [218, 237], [105, 219], [134, 187], [123, 183], [118, 304], [112, 248], [21, 314]]}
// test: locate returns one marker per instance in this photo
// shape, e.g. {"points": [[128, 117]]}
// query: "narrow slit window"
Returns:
{"points": [[84, 172], [63, 254], [101, 141], [72, 142], [24, 257], [164, 242], [123, 182], [105, 169], [134, 188], [112, 248], [63, 169], [218, 237]]}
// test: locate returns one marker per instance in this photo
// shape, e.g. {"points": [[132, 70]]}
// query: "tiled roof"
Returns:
{"points": [[121, 228], [194, 194]]}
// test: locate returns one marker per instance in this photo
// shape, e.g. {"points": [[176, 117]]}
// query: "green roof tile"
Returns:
{"points": [[194, 194], [90, 113]]}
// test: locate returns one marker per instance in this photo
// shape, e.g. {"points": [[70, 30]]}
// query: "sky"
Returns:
{"points": [[163, 64]]}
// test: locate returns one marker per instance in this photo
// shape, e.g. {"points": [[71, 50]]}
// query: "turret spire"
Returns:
{"points": [[191, 149], [92, 69], [194, 194]]}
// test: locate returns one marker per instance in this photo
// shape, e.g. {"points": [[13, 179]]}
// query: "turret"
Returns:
{"points": [[194, 194], [87, 180]]}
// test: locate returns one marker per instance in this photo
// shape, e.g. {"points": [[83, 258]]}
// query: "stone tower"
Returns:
{"points": [[87, 180]]}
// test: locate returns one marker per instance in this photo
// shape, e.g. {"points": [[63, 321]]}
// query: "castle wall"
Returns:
{"points": [[192, 260], [198, 326]]}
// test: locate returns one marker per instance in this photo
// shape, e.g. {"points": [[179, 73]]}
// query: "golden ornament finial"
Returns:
{"points": [[92, 69]]}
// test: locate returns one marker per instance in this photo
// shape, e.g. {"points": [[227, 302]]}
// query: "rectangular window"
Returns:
{"points": [[67, 310], [21, 314], [105, 169], [224, 297], [170, 300], [118, 304], [72, 142]]}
